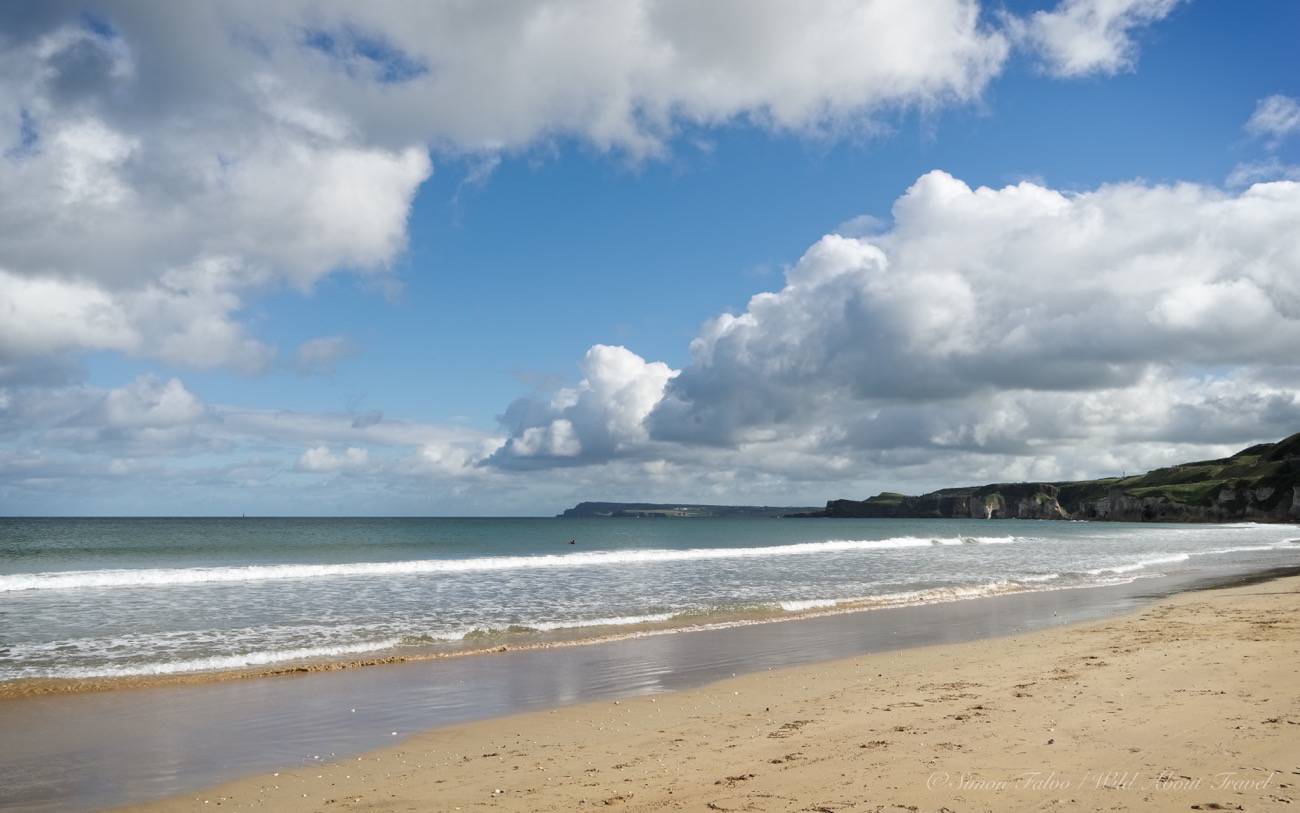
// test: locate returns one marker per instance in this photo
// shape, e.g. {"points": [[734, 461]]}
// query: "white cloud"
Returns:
{"points": [[479, 78], [40, 316], [167, 238], [1005, 332], [600, 418], [140, 221], [151, 402], [149, 417], [624, 75], [1016, 288], [1081, 37], [556, 438], [1275, 118], [322, 460]]}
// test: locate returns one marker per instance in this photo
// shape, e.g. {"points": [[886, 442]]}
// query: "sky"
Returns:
{"points": [[493, 258]]}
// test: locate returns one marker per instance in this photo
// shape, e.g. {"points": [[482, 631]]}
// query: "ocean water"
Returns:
{"points": [[85, 598]]}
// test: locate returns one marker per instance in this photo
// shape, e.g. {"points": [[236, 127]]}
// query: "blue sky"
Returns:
{"points": [[521, 246]]}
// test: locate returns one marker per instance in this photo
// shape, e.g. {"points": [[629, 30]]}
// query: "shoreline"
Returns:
{"points": [[506, 641], [511, 642], [177, 661], [1184, 703], [557, 635], [189, 736]]}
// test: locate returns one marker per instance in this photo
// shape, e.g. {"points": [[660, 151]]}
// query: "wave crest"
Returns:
{"points": [[167, 577]]}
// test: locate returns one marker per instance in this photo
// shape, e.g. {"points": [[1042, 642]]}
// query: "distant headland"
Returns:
{"points": [[1257, 484]]}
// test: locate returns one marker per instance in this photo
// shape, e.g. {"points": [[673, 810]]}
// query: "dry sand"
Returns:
{"points": [[1190, 704]]}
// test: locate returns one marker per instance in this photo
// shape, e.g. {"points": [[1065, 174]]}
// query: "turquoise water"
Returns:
{"points": [[121, 597]]}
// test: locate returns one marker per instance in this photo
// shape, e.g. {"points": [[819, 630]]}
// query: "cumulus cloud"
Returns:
{"points": [[140, 219], [600, 418], [1022, 325], [623, 76], [151, 402], [1082, 37], [1023, 287], [1275, 119]]}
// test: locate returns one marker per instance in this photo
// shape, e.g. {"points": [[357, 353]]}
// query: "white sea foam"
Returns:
{"points": [[938, 595], [613, 621], [1244, 549], [1039, 578], [1176, 558], [221, 662], [1139, 565], [161, 577], [807, 604], [185, 644]]}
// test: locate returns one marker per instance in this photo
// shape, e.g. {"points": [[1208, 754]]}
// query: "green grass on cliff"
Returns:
{"points": [[887, 498], [1189, 493], [1195, 483]]}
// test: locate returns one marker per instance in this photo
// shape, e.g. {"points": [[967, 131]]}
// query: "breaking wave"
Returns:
{"points": [[166, 577]]}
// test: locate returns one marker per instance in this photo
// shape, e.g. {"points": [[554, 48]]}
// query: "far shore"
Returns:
{"points": [[1186, 704]]}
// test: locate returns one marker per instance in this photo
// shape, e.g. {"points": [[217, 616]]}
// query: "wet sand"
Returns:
{"points": [[1187, 704]]}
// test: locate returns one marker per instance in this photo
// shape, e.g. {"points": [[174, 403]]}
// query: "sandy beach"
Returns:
{"points": [[1188, 704]]}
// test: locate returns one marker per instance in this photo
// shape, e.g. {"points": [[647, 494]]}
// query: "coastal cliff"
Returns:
{"points": [[1259, 484]]}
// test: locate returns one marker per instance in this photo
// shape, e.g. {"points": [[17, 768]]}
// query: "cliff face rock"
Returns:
{"points": [[1259, 484], [1228, 504], [999, 501]]}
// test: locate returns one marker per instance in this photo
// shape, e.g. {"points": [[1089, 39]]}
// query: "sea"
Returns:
{"points": [[139, 597]]}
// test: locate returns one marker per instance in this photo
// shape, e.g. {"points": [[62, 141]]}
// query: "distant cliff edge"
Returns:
{"points": [[646, 510], [1260, 484]]}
